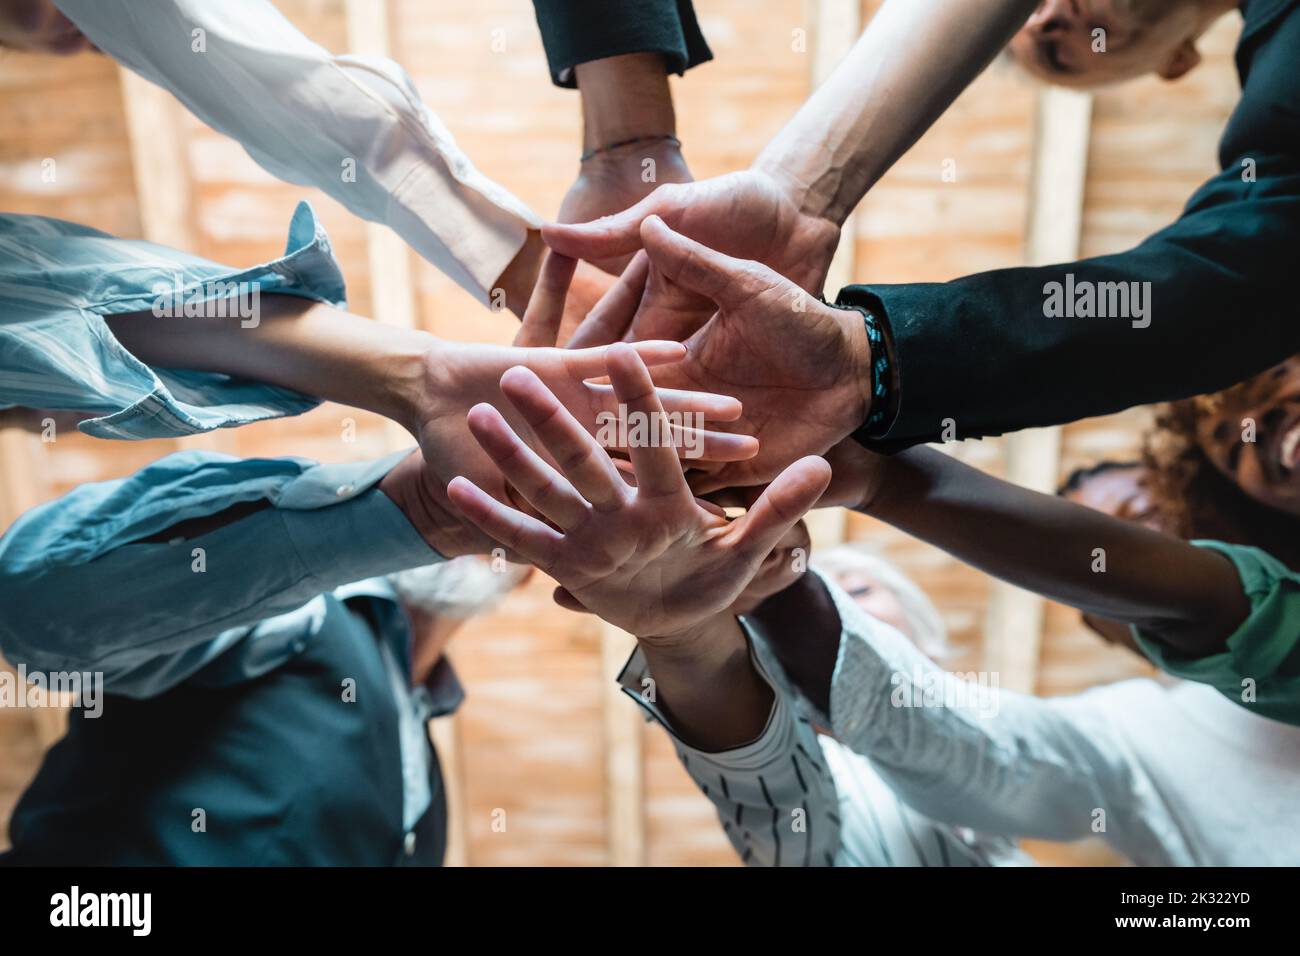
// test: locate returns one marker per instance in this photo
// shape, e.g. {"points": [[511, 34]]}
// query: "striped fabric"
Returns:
{"points": [[795, 797], [57, 282]]}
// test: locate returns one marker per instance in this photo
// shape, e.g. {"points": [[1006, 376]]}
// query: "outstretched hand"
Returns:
{"points": [[458, 377], [648, 558]]}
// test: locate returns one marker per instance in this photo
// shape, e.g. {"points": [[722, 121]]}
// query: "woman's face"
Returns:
{"points": [[873, 597], [1251, 433]]}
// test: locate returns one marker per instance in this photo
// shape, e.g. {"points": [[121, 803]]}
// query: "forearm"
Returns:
{"points": [[624, 97], [804, 608], [1185, 596], [688, 673], [911, 62], [296, 343]]}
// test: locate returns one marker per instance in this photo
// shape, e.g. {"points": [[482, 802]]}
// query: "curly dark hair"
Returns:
{"points": [[1194, 499]]}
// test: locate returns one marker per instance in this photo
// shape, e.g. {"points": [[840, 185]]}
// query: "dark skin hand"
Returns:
{"points": [[1186, 597]]}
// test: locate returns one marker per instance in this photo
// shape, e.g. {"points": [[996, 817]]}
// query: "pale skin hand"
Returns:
{"points": [[648, 558], [425, 384], [683, 561]]}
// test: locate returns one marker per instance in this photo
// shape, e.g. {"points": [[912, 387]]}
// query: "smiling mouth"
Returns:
{"points": [[1288, 454]]}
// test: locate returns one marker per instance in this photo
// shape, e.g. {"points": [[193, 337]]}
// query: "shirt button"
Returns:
{"points": [[343, 491], [409, 845]]}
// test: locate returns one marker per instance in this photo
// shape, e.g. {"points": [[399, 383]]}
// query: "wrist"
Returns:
{"points": [[699, 645], [422, 500], [900, 483], [707, 686], [802, 185], [397, 370], [624, 97], [855, 379]]}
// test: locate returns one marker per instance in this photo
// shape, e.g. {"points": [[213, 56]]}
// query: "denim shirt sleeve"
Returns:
{"points": [[57, 282], [82, 592]]}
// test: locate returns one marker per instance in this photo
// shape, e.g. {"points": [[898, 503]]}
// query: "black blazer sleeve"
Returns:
{"points": [[579, 31], [984, 352]]}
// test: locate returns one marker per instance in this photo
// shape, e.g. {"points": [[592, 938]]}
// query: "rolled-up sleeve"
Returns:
{"points": [[58, 281]]}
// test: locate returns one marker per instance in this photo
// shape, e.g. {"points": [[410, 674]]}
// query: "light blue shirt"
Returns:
{"points": [[58, 280], [82, 593]]}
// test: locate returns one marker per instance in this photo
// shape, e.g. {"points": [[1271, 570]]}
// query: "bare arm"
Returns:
{"points": [[687, 678], [911, 62], [1184, 596], [296, 343]]}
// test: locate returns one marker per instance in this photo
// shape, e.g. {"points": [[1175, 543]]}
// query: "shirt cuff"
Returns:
{"points": [[774, 743], [176, 402], [1260, 669], [370, 538], [580, 31]]}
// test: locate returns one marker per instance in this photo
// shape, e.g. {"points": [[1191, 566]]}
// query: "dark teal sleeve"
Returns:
{"points": [[1261, 667], [579, 31]]}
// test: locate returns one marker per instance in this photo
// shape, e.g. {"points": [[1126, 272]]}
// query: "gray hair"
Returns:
{"points": [[924, 623], [461, 588]]}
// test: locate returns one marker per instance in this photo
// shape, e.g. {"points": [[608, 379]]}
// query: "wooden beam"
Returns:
{"points": [[1014, 623], [392, 289], [155, 123], [445, 734], [624, 755], [392, 301]]}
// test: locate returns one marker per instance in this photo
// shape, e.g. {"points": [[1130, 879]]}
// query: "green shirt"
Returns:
{"points": [[1261, 667]]}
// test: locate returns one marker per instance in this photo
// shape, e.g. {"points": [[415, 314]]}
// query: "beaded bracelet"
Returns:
{"points": [[882, 373]]}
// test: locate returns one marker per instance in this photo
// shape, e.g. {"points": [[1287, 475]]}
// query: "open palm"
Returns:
{"points": [[645, 557]]}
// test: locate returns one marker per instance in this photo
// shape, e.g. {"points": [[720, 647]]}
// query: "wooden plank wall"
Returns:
{"points": [[542, 742]]}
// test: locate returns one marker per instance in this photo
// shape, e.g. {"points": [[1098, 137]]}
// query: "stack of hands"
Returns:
{"points": [[727, 379]]}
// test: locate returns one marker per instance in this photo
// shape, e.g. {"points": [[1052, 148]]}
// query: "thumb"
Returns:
{"points": [[696, 267], [786, 500], [616, 235]]}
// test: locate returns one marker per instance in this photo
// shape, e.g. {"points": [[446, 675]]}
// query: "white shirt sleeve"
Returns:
{"points": [[775, 796], [966, 753], [351, 126]]}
